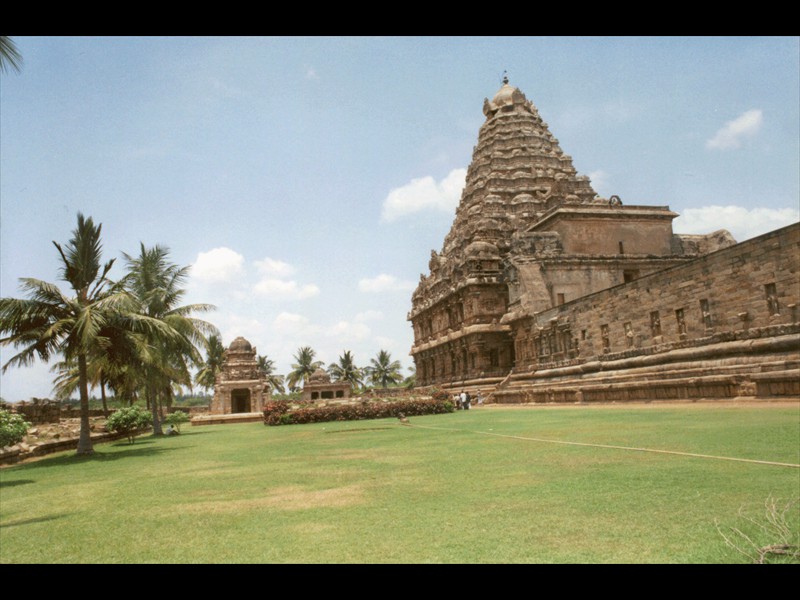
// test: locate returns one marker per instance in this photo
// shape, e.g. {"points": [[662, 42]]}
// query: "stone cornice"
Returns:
{"points": [[463, 332]]}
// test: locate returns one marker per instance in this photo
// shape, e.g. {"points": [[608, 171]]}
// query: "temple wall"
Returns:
{"points": [[732, 315], [603, 236]]}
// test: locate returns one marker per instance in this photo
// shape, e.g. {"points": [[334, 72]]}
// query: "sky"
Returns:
{"points": [[306, 180]]}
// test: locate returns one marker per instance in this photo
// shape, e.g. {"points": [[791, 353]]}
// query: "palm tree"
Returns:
{"points": [[67, 380], [9, 55], [411, 380], [165, 360], [346, 370], [304, 366], [215, 354], [48, 322], [383, 370], [109, 364], [266, 367]]}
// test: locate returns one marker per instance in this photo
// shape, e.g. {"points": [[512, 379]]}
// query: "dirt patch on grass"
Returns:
{"points": [[353, 455], [285, 498]]}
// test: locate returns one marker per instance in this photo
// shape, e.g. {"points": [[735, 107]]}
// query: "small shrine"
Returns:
{"points": [[320, 387], [240, 387]]}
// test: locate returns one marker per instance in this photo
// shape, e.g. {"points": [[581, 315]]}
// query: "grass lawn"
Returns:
{"points": [[377, 491]]}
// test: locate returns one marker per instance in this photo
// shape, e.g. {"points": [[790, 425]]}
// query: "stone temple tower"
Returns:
{"points": [[529, 233], [240, 387]]}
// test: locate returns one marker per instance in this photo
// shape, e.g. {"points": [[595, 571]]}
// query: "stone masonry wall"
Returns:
{"points": [[755, 284], [737, 337]]}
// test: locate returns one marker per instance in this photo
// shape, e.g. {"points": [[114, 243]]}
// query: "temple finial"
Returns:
{"points": [[505, 77]]}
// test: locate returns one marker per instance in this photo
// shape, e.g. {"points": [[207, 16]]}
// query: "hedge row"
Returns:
{"points": [[280, 412]]}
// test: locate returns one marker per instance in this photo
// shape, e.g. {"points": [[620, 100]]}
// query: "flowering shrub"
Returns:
{"points": [[130, 421], [283, 415], [273, 411], [175, 419], [13, 428], [441, 395]]}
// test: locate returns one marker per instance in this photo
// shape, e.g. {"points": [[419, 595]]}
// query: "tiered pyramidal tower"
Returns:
{"points": [[529, 233]]}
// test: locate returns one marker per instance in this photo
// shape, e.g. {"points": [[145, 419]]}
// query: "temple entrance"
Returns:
{"points": [[240, 401]]}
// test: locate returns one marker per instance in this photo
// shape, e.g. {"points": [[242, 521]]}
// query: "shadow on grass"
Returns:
{"points": [[31, 521], [4, 484], [123, 450]]}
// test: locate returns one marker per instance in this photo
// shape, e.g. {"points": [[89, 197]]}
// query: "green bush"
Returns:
{"points": [[129, 421], [175, 419], [13, 428]]}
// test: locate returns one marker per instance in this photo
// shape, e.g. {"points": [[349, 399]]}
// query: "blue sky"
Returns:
{"points": [[307, 179]]}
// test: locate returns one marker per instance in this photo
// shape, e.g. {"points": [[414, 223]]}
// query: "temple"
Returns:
{"points": [[240, 387], [539, 273], [320, 387]]}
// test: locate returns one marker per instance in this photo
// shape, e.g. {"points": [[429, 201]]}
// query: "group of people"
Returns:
{"points": [[464, 400]]}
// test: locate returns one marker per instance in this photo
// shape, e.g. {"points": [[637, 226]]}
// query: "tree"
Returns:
{"points": [[383, 370], [215, 354], [346, 370], [155, 284], [49, 323], [304, 366], [9, 55], [266, 367], [411, 380]]}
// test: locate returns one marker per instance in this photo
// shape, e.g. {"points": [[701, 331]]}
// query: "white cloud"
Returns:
{"points": [[278, 288], [424, 194], [743, 223], [387, 344], [293, 324], [745, 125], [218, 265], [600, 181], [346, 331], [385, 283], [277, 268], [369, 315]]}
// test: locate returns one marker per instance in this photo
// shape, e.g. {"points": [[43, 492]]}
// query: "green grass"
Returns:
{"points": [[376, 491]]}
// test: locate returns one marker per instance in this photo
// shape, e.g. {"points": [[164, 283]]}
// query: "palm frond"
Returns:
{"points": [[9, 55]]}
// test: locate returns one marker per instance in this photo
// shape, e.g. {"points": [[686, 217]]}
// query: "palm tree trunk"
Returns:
{"points": [[103, 396], [85, 440], [153, 403]]}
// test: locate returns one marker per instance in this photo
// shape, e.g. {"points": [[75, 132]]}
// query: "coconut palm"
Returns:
{"points": [[346, 370], [155, 284], [411, 380], [109, 364], [304, 366], [49, 323], [67, 380], [215, 353], [383, 370], [266, 367]]}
